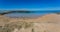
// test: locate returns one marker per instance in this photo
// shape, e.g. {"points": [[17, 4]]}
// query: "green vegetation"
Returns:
{"points": [[20, 11], [32, 30], [58, 13]]}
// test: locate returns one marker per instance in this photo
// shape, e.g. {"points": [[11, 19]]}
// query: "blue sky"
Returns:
{"points": [[30, 4]]}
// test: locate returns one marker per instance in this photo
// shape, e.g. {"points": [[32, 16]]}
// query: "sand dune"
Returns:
{"points": [[46, 23], [55, 18]]}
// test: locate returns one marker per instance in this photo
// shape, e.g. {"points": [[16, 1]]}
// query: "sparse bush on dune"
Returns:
{"points": [[11, 26]]}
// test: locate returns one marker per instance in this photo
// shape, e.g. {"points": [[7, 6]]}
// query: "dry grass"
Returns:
{"points": [[11, 26]]}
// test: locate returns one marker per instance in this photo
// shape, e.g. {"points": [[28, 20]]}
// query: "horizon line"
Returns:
{"points": [[33, 9]]}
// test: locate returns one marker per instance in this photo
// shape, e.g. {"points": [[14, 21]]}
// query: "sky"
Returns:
{"points": [[30, 4]]}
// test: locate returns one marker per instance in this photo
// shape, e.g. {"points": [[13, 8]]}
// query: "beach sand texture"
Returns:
{"points": [[45, 23]]}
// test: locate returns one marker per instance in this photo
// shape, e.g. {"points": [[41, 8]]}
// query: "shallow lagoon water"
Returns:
{"points": [[25, 14], [30, 14]]}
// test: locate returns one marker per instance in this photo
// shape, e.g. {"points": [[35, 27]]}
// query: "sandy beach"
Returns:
{"points": [[46, 23]]}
